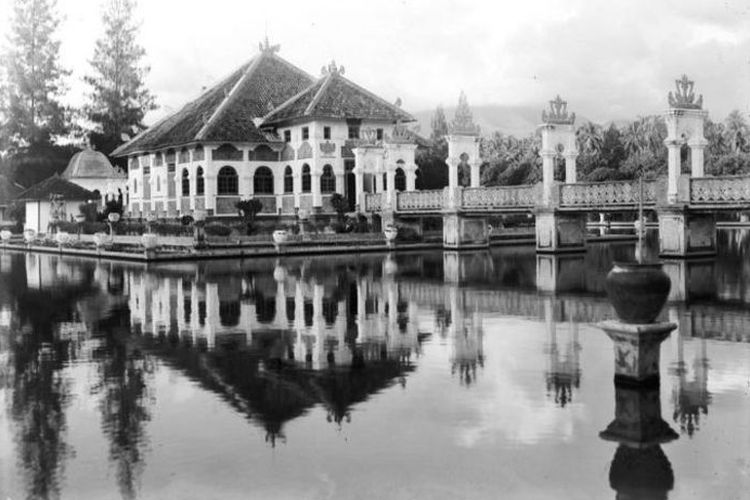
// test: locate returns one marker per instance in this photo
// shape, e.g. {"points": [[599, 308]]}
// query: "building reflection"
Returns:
{"points": [[563, 373], [690, 395], [467, 339]]}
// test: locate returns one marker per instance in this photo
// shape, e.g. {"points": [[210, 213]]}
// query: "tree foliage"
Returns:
{"points": [[33, 83], [119, 99]]}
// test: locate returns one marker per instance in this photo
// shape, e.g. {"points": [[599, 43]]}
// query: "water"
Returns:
{"points": [[423, 375]]}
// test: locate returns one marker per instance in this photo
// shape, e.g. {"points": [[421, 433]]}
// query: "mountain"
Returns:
{"points": [[518, 121]]}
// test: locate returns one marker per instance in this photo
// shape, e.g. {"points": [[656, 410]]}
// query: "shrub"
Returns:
{"points": [[340, 205], [248, 210], [408, 233], [218, 229], [89, 211]]}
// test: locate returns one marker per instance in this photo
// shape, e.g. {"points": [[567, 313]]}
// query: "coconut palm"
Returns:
{"points": [[736, 130], [589, 137]]}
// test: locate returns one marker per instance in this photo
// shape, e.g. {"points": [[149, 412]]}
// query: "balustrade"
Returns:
{"points": [[420, 200], [373, 202], [720, 190], [499, 197], [606, 194]]}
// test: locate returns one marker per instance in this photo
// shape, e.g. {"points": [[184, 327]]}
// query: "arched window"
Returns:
{"points": [[199, 182], [400, 181], [185, 183], [327, 180], [306, 184], [226, 181], [288, 180], [263, 181]]}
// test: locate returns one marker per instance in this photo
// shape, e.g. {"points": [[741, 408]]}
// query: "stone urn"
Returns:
{"points": [[149, 241], [280, 237], [62, 237], [390, 232], [637, 290], [29, 235], [5, 235], [100, 239]]}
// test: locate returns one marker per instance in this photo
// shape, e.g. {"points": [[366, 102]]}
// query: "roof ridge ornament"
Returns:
{"points": [[400, 134], [558, 112], [463, 120], [331, 69], [684, 96], [266, 47]]}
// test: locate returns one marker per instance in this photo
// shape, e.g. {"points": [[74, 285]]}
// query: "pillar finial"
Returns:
{"points": [[463, 120], [558, 112], [684, 96]]}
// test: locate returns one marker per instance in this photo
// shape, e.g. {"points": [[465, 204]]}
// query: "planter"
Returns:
{"points": [[637, 291], [29, 236], [280, 237], [5, 235], [149, 241], [390, 232], [100, 239], [113, 217], [62, 237]]}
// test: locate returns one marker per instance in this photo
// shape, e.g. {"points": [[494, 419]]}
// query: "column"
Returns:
{"points": [[297, 184], [673, 170], [378, 181], [359, 188], [391, 186], [340, 187], [475, 175], [452, 172], [571, 176], [696, 157], [548, 175], [411, 177], [317, 199]]}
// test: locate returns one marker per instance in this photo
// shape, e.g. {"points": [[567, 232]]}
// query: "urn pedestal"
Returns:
{"points": [[637, 349]]}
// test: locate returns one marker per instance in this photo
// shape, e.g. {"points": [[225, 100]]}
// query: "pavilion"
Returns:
{"points": [[272, 132]]}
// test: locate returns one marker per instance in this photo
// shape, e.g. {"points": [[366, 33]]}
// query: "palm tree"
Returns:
{"points": [[736, 130], [590, 137]]}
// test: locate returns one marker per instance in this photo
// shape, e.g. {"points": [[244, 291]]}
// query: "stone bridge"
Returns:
{"points": [[685, 204]]}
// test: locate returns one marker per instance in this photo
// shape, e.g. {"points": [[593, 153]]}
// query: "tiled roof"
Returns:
{"points": [[89, 163], [225, 112], [334, 96], [8, 190], [56, 185]]}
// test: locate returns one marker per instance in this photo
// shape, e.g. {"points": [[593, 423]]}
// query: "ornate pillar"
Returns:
{"points": [[297, 181], [696, 158], [359, 187], [317, 199], [673, 170], [475, 179], [452, 172], [210, 191], [411, 177], [548, 176], [571, 176]]}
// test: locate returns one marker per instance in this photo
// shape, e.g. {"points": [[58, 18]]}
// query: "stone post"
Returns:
{"points": [[696, 156], [673, 170], [548, 176], [571, 175], [452, 173], [359, 188], [317, 199], [411, 177], [475, 175]]}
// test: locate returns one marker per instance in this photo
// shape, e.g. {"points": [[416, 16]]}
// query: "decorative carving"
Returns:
{"points": [[558, 113], [606, 194], [368, 136], [328, 148], [400, 135], [684, 96], [331, 69], [373, 202], [267, 48], [498, 197], [420, 200], [463, 121], [719, 190], [304, 151]]}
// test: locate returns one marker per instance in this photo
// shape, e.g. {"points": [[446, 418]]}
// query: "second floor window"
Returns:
{"points": [[326, 132], [287, 136], [305, 133], [353, 131]]}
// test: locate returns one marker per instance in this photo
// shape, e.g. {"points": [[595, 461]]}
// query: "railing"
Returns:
{"points": [[373, 202], [420, 200], [606, 194], [720, 190], [497, 197]]}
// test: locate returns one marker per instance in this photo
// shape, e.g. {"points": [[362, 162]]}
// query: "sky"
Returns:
{"points": [[609, 60]]}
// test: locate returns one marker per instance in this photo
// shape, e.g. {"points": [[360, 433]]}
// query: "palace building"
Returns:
{"points": [[272, 132]]}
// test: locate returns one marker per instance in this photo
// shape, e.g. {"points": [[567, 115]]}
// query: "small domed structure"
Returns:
{"points": [[91, 170]]}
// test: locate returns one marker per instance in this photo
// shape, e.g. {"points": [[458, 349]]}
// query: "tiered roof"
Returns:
{"points": [[336, 97], [226, 112]]}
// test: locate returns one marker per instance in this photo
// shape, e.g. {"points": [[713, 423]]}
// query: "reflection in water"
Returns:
{"points": [[330, 343], [639, 469]]}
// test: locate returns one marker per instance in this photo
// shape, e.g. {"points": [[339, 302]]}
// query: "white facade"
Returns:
{"points": [[319, 167]]}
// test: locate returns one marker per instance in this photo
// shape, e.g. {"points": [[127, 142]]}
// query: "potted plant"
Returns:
{"points": [[5, 235], [29, 236], [280, 237], [62, 237]]}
